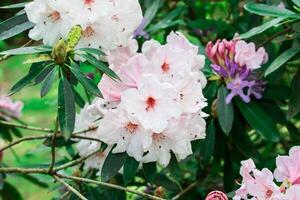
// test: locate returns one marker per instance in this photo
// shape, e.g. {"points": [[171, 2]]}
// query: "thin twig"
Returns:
{"points": [[65, 195], [53, 145], [117, 187], [190, 187], [80, 196], [274, 36]]}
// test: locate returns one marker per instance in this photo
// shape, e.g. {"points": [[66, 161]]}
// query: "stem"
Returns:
{"points": [[53, 146], [117, 187], [80, 196], [190, 187]]}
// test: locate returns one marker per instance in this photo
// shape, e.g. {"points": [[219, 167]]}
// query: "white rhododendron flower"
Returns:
{"points": [[156, 106], [106, 24]]}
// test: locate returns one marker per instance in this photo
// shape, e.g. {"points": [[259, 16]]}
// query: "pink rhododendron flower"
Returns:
{"points": [[288, 167], [246, 54], [10, 109], [216, 195]]}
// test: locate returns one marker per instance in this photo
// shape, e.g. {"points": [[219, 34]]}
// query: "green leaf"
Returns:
{"points": [[282, 59], [130, 168], [78, 99], [88, 84], [47, 69], [296, 2], [16, 5], [112, 164], [208, 145], [33, 73], [26, 50], [99, 65], [259, 120], [40, 58], [92, 51], [294, 104], [48, 83], [150, 171], [166, 182], [66, 107], [228, 170], [59, 142], [34, 180], [151, 12], [268, 10], [225, 111], [9, 192], [259, 29], [14, 26], [276, 91]]}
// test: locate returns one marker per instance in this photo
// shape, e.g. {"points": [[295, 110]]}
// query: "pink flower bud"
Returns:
{"points": [[216, 195]]}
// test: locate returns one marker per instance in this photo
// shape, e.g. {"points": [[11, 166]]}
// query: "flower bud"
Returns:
{"points": [[73, 37], [59, 52], [216, 195], [159, 192]]}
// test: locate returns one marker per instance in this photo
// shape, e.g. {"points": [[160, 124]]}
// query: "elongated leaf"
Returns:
{"points": [[225, 111], [78, 99], [41, 77], [259, 29], [101, 66], [151, 12], [296, 2], [166, 182], [34, 180], [48, 83], [26, 50], [9, 192], [150, 171], [112, 165], [278, 92], [130, 168], [86, 83], [259, 120], [294, 104], [16, 5], [92, 51], [66, 107], [267, 10], [14, 26], [282, 59], [40, 58], [208, 145], [33, 73]]}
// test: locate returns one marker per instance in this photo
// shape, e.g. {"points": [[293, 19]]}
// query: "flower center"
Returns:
{"points": [[88, 32], [130, 127], [88, 2], [157, 137], [150, 103], [269, 193], [55, 16], [165, 67]]}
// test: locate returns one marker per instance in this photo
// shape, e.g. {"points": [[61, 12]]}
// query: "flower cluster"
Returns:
{"points": [[10, 109], [216, 195], [106, 24], [235, 61], [156, 106], [259, 184]]}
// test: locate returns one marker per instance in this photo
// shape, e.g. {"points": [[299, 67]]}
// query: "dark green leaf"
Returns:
{"points": [[151, 12], [112, 164], [150, 171], [99, 65], [16, 5], [166, 182], [34, 180], [78, 99], [282, 59], [9, 192], [16, 132], [34, 71], [88, 84], [66, 107], [278, 92], [259, 120], [130, 168], [92, 51], [225, 111], [294, 104], [59, 142], [48, 83], [14, 26], [208, 145], [228, 178], [296, 2], [259, 29], [26, 50], [41, 77], [267, 10]]}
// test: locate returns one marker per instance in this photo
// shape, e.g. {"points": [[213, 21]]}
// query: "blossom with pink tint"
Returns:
{"points": [[288, 167], [220, 51], [246, 54], [10, 109], [216, 195], [293, 193], [153, 103]]}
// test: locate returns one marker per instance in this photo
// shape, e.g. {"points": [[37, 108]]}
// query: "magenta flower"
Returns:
{"points": [[216, 195], [235, 61]]}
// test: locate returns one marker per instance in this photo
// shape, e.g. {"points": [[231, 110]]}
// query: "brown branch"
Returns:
{"points": [[190, 187], [110, 185], [69, 187]]}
